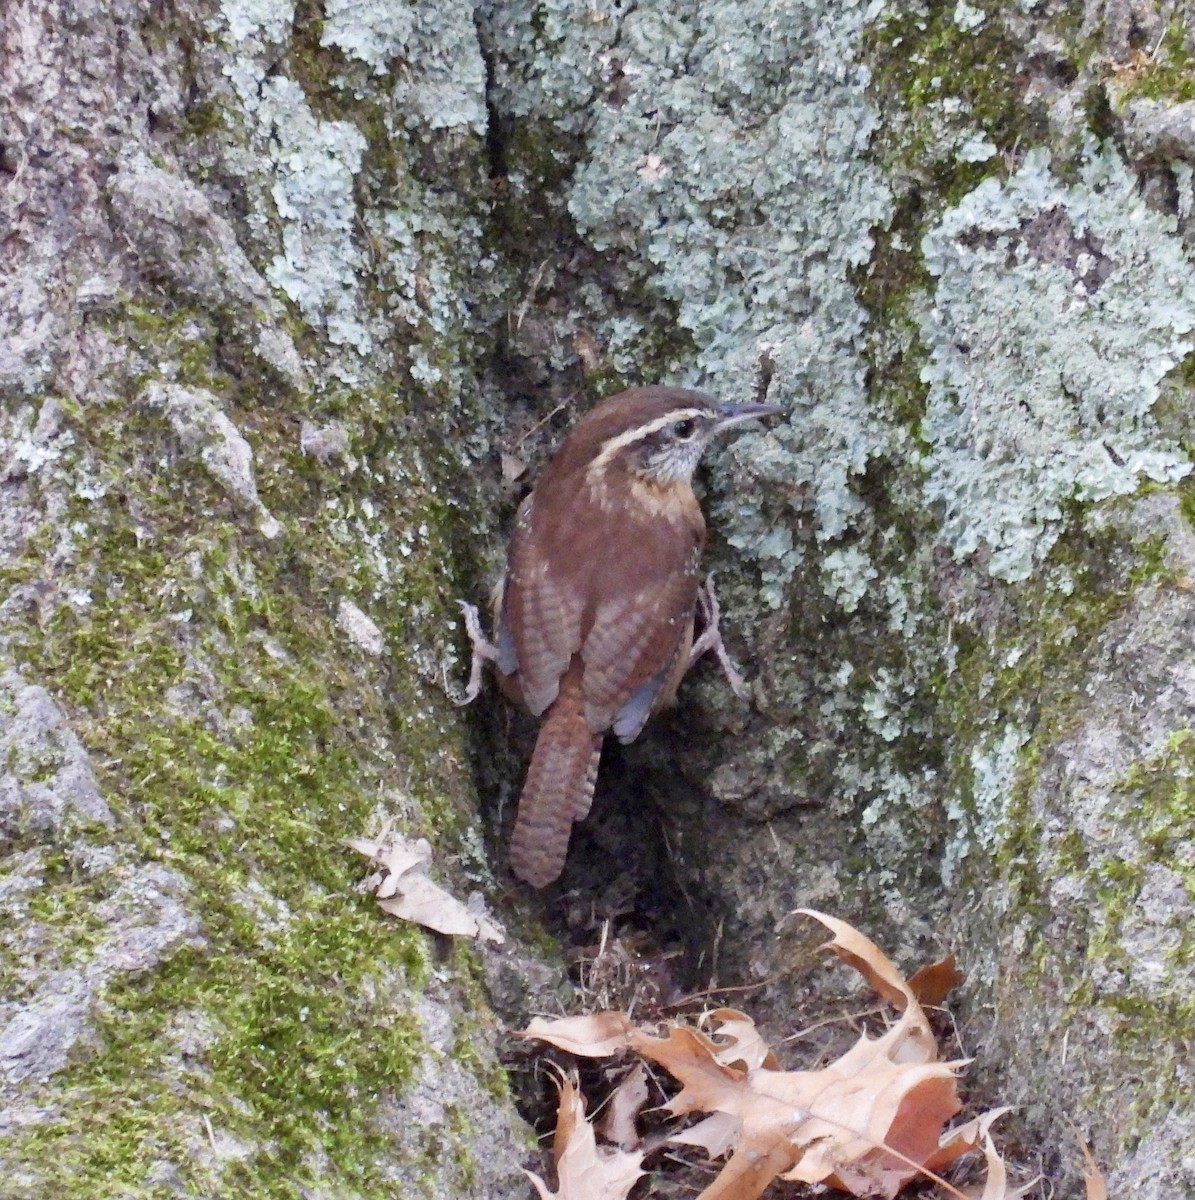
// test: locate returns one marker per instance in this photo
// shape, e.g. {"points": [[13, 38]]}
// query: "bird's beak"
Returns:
{"points": [[736, 414]]}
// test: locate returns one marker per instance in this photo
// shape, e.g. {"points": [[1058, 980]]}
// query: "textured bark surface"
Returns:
{"points": [[238, 408], [278, 283]]}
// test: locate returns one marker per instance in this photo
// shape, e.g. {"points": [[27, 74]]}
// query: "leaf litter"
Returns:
{"points": [[869, 1123], [585, 1170]]}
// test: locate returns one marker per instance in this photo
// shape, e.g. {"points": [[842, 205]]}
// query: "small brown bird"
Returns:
{"points": [[594, 619]]}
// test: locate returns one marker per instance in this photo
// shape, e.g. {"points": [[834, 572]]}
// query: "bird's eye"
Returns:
{"points": [[684, 430]]}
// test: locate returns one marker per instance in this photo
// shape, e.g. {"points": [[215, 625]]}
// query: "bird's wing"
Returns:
{"points": [[641, 622], [620, 593], [542, 605]]}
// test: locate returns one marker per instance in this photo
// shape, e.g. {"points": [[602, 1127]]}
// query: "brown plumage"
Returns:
{"points": [[595, 617], [558, 789]]}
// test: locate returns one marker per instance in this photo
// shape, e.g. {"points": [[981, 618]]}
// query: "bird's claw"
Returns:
{"points": [[483, 651], [710, 640]]}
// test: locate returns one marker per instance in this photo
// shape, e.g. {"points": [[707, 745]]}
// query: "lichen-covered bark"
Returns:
{"points": [[956, 238], [280, 278]]}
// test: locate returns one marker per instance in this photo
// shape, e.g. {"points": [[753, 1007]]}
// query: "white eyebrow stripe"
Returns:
{"points": [[631, 436]]}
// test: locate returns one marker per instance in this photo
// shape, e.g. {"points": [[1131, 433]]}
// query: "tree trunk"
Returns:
{"points": [[280, 283]]}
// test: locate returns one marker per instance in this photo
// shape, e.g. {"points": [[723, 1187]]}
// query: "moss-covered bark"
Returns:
{"points": [[241, 418]]}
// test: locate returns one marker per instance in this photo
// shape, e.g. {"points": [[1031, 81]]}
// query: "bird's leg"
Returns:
{"points": [[711, 639], [483, 651]]}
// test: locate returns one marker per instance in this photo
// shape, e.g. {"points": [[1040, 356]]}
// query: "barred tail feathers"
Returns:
{"points": [[558, 790]]}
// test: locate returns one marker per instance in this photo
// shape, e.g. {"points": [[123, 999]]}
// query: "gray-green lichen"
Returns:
{"points": [[1056, 313], [914, 221], [673, 169]]}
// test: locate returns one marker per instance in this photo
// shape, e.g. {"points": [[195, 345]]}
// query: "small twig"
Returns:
{"points": [[714, 951], [1161, 38], [724, 991], [539, 424], [535, 282], [845, 1018]]}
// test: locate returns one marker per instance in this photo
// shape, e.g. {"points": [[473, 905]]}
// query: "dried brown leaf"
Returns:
{"points": [[718, 1134], [739, 1041], [861, 953], [585, 1171], [689, 1056], [396, 857], [996, 1186], [962, 1139], [866, 1123], [512, 467], [588, 351], [857, 1122], [626, 1101], [595, 1035], [1093, 1177], [870, 1131], [933, 983], [758, 1159], [406, 892]]}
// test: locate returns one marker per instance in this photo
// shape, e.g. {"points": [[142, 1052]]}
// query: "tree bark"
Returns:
{"points": [[281, 281]]}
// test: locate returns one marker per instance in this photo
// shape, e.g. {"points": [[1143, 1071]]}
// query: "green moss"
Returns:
{"points": [[206, 117], [1152, 1022], [184, 337], [286, 978], [1160, 798], [239, 738], [1054, 629], [1043, 692], [920, 58], [1168, 73], [1186, 493]]}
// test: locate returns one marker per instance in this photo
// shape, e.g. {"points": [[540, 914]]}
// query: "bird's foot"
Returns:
{"points": [[710, 640], [483, 651]]}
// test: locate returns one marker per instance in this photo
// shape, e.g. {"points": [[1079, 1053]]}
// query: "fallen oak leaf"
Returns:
{"points": [[996, 1186], [757, 1160], [904, 1139], [933, 983], [744, 1043], [717, 1134], [584, 1171], [423, 901], [405, 891], [867, 1122], [690, 1057], [868, 1129], [1093, 1178], [962, 1139], [396, 858], [873, 1132], [861, 953], [595, 1035], [626, 1101]]}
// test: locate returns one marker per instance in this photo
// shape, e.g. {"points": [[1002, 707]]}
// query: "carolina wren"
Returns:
{"points": [[594, 618]]}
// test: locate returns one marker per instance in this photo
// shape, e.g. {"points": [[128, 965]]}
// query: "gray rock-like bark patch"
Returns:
{"points": [[147, 921], [46, 778]]}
